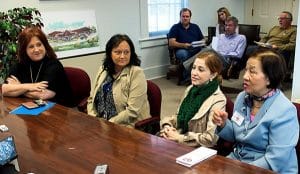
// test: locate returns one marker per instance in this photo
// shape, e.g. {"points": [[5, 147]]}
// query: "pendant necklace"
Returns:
{"points": [[37, 76]]}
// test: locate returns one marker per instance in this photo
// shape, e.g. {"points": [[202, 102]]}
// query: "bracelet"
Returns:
{"points": [[185, 138]]}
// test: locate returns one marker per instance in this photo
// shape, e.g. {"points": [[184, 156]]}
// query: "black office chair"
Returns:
{"points": [[251, 32], [211, 32], [290, 60]]}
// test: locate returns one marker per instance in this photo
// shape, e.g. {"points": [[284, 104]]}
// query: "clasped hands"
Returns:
{"points": [[169, 133]]}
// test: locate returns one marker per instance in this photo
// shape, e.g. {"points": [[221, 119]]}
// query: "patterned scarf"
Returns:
{"points": [[249, 97], [193, 101]]}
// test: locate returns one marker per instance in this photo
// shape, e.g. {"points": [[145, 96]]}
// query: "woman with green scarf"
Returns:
{"points": [[192, 125]]}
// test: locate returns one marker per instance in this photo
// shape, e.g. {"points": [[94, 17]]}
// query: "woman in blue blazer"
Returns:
{"points": [[264, 123]]}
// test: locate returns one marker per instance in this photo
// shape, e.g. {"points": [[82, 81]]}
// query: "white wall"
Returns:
{"points": [[7, 4], [296, 77], [204, 12], [116, 16]]}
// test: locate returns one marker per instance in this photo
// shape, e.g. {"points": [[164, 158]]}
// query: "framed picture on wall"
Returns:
{"points": [[72, 33]]}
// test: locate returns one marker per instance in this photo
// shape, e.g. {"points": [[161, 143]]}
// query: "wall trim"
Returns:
{"points": [[155, 72]]}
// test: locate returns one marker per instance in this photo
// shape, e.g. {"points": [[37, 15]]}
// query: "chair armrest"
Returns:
{"points": [[224, 147], [149, 125], [82, 106], [151, 120]]}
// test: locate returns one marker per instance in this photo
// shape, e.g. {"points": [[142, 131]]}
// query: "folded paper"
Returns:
{"points": [[195, 156]]}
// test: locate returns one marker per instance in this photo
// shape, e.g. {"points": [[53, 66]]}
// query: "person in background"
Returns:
{"points": [[38, 74], [222, 13], [192, 125], [282, 37], [181, 36], [120, 91], [264, 126], [230, 44]]}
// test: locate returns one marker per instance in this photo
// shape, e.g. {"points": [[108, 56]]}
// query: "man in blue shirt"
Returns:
{"points": [[182, 35]]}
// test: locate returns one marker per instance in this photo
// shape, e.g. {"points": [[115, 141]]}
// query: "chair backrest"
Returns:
{"points": [[298, 144], [211, 32], [225, 147], [154, 98], [151, 125], [80, 84], [229, 106], [250, 31]]}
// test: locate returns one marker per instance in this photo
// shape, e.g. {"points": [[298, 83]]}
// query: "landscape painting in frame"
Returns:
{"points": [[72, 33]]}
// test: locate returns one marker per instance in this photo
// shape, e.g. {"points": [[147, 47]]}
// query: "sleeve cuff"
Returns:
{"points": [[183, 138]]}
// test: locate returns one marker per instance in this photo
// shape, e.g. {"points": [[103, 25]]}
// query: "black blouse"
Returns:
{"points": [[50, 70]]}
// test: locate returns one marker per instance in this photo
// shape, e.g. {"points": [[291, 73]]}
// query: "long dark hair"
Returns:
{"points": [[114, 42], [25, 37]]}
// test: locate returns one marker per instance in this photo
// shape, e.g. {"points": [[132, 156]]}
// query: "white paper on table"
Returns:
{"points": [[195, 156]]}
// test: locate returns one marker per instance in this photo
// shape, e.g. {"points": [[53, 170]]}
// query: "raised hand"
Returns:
{"points": [[219, 118]]}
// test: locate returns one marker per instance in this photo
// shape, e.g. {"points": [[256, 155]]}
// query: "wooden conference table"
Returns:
{"points": [[63, 140]]}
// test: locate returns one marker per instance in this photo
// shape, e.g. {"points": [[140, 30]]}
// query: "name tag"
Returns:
{"points": [[237, 118]]}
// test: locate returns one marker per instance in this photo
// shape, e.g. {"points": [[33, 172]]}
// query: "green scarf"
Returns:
{"points": [[193, 101]]}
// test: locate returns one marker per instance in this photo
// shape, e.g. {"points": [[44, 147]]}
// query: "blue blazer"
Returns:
{"points": [[269, 140]]}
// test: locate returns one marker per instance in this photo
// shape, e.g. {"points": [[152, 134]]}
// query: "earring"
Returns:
{"points": [[210, 79]]}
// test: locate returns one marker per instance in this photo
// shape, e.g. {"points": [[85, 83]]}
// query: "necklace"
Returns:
{"points": [[38, 74], [257, 104]]}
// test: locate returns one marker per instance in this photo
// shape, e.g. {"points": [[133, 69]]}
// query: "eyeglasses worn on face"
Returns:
{"points": [[119, 52], [282, 18]]}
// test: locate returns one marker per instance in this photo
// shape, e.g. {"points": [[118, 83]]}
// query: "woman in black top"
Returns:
{"points": [[38, 74]]}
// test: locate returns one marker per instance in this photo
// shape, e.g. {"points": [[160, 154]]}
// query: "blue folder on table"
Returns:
{"points": [[21, 110]]}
